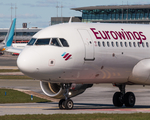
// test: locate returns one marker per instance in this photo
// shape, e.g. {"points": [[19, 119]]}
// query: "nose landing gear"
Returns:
{"points": [[66, 103], [121, 97]]}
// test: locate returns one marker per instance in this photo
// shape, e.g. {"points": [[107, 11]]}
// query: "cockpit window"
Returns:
{"points": [[64, 42], [32, 41], [42, 42], [55, 42]]}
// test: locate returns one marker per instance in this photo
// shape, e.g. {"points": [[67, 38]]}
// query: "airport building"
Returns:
{"points": [[139, 14], [21, 35]]}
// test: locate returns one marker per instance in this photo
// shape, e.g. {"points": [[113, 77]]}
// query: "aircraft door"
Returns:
{"points": [[89, 45]]}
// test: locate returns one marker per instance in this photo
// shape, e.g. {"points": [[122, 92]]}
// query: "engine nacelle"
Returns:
{"points": [[55, 90], [141, 72]]}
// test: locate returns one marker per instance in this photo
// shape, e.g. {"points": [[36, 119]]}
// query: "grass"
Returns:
{"points": [[9, 70], [96, 116], [14, 96], [14, 77]]}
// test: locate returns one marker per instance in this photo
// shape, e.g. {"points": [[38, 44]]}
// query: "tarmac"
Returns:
{"points": [[97, 99]]}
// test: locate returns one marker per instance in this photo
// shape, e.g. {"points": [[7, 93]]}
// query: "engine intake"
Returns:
{"points": [[55, 90]]}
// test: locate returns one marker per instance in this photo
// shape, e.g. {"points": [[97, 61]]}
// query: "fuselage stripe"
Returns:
{"points": [[68, 57]]}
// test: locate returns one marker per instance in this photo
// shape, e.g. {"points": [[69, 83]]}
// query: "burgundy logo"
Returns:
{"points": [[123, 35], [66, 56]]}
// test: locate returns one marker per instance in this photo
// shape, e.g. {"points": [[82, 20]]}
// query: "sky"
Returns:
{"points": [[38, 13]]}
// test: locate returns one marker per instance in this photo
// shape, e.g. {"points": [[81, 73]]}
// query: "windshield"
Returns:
{"points": [[42, 41], [60, 42], [64, 42], [55, 42], [32, 41]]}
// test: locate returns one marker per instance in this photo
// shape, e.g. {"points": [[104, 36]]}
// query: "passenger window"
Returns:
{"points": [[125, 44], [64, 42], [139, 44], [143, 44], [108, 44], [103, 44], [130, 44], [99, 44], [117, 44], [32, 41], [55, 42], [112, 43], [134, 44], [42, 41], [121, 44], [147, 44]]}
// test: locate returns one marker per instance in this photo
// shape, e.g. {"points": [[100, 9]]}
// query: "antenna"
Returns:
{"points": [[15, 10], [15, 24], [70, 20], [61, 11], [11, 11], [57, 8]]}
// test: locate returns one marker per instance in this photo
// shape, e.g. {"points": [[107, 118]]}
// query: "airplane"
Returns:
{"points": [[68, 58], [9, 37], [19, 45]]}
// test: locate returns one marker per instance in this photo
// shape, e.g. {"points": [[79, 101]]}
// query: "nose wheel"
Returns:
{"points": [[66, 103]]}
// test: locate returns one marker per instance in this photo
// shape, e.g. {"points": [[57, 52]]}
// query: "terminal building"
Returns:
{"points": [[21, 35], [139, 14]]}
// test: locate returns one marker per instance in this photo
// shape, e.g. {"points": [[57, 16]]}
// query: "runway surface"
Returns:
{"points": [[8, 60], [97, 99]]}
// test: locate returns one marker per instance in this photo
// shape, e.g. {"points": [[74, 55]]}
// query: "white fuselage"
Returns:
{"points": [[19, 45], [97, 53]]}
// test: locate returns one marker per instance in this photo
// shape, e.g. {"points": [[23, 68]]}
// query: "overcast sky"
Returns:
{"points": [[38, 13]]}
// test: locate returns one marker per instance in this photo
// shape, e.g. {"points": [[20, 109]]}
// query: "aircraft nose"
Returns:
{"points": [[28, 62]]}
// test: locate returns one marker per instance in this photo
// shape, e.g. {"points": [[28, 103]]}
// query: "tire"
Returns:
{"points": [[129, 98], [117, 99], [61, 104], [69, 104]]}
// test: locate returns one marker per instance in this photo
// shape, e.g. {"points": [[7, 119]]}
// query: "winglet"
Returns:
{"points": [[10, 34]]}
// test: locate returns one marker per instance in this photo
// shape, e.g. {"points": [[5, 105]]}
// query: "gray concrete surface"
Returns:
{"points": [[8, 60], [97, 99]]}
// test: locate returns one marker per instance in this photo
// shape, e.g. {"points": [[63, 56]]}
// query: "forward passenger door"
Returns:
{"points": [[88, 43]]}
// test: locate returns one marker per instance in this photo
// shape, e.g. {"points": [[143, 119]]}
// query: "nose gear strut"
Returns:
{"points": [[66, 103]]}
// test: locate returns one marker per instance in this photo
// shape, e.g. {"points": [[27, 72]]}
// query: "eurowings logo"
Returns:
{"points": [[66, 56]]}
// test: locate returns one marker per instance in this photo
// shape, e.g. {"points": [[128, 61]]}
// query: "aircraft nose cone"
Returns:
{"points": [[28, 62]]}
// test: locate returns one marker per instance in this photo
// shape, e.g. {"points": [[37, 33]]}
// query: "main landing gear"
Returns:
{"points": [[121, 97], [66, 103]]}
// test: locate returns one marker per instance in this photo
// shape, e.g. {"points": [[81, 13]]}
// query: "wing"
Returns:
{"points": [[13, 50]]}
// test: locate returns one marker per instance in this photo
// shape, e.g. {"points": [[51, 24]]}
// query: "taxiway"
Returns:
{"points": [[97, 99]]}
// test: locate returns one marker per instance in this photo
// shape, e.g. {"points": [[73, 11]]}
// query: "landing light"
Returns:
{"points": [[69, 93]]}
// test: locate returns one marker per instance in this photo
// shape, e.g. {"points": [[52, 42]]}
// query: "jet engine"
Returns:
{"points": [[55, 90], [141, 72]]}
